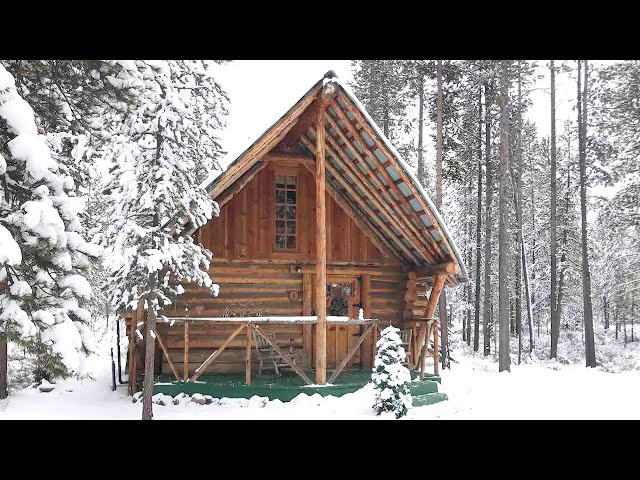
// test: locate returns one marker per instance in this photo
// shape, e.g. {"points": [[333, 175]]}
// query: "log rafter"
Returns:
{"points": [[364, 206], [359, 118], [416, 237]]}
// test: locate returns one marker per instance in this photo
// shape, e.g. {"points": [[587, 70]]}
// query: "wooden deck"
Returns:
{"points": [[288, 386]]}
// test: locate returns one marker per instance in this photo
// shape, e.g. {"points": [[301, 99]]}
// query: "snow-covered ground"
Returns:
{"points": [[538, 390]]}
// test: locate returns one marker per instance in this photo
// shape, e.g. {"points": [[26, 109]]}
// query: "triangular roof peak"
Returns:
{"points": [[362, 167]]}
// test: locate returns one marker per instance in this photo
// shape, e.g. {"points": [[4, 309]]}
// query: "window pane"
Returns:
{"points": [[291, 182], [291, 196], [279, 196], [280, 181], [291, 242], [280, 211], [279, 241], [291, 227], [279, 226], [291, 212]]}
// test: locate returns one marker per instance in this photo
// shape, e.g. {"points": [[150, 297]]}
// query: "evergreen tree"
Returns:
{"points": [[155, 180], [390, 378], [46, 259]]}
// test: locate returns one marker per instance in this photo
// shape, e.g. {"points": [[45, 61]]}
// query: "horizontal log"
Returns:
{"points": [[448, 268]]}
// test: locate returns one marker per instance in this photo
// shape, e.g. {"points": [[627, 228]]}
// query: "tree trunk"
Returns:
{"points": [[615, 319], [3, 367], [527, 293], [422, 171], [589, 342], [518, 195], [476, 324], [633, 312], [486, 314], [555, 322], [504, 359], [605, 312], [443, 296], [150, 352], [533, 249], [565, 239]]}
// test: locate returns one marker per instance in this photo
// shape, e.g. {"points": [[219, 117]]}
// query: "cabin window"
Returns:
{"points": [[286, 231]]}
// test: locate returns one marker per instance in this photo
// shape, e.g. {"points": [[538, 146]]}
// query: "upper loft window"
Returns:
{"points": [[286, 213]]}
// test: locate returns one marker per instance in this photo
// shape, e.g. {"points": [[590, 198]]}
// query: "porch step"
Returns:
{"points": [[423, 388], [427, 376], [428, 399]]}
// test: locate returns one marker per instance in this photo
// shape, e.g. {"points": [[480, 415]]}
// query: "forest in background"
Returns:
{"points": [[553, 264], [551, 260]]}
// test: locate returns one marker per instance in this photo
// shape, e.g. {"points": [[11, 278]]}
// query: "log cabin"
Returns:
{"points": [[324, 236]]}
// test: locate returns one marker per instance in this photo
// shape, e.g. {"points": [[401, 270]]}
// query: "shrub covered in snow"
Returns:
{"points": [[390, 378]]}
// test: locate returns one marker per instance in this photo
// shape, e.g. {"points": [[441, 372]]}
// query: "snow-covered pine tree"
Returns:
{"points": [[154, 180], [44, 257], [390, 377]]}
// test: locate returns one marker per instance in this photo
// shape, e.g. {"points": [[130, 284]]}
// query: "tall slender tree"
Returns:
{"points": [[555, 321], [486, 314], [590, 352], [504, 358]]}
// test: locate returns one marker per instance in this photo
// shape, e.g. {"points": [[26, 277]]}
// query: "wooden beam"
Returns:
{"points": [[359, 118], [266, 142], [186, 352], [200, 370], [448, 268], [249, 175], [431, 325], [307, 330], [166, 354], [438, 285], [417, 237], [436, 360], [284, 356], [346, 359], [325, 96], [247, 369], [292, 158], [355, 197], [321, 273]]}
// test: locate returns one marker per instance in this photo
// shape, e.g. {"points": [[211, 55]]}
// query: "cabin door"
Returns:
{"points": [[343, 300]]}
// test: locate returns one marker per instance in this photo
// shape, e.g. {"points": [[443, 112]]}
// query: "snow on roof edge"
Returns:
{"points": [[405, 167], [211, 179]]}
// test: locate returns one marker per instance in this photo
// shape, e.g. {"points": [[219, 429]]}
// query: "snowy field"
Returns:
{"points": [[540, 390]]}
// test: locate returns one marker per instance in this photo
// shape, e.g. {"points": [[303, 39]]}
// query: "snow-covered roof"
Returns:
{"points": [[365, 169]]}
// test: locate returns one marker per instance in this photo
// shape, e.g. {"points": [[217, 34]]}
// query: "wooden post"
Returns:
{"points": [[166, 354], [186, 351], [365, 297], [307, 330], [321, 262], [247, 369], [423, 339], [436, 362]]}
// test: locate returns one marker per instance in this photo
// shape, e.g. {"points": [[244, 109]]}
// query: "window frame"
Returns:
{"points": [[286, 172]]}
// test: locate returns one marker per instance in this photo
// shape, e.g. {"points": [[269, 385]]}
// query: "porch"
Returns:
{"points": [[289, 385], [293, 377]]}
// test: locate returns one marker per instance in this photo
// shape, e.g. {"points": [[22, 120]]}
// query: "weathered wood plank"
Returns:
{"points": [[346, 359], [200, 370], [284, 356]]}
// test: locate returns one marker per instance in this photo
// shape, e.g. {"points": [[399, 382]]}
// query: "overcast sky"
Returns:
{"points": [[262, 90]]}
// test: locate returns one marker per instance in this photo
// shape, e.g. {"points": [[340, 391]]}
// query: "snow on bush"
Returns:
{"points": [[42, 257], [390, 378]]}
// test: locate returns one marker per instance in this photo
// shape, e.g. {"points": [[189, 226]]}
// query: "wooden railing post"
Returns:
{"points": [[186, 351], [248, 360], [436, 362]]}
